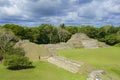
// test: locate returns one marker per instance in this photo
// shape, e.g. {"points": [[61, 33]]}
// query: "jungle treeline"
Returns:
{"points": [[51, 34]]}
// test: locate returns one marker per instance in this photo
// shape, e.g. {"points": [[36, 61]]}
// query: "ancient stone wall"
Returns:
{"points": [[58, 46]]}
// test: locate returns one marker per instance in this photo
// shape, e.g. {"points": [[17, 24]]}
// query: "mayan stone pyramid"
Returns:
{"points": [[81, 40]]}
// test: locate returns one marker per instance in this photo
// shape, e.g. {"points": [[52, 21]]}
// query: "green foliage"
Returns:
{"points": [[117, 45], [62, 26], [72, 29], [15, 51], [47, 33], [108, 29], [111, 39], [101, 34], [63, 35], [16, 62], [14, 58], [89, 30], [17, 29], [1, 56], [7, 40]]}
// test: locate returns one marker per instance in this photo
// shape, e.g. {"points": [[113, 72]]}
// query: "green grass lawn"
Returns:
{"points": [[107, 59], [42, 71]]}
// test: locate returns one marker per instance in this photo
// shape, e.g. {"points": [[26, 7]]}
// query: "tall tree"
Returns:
{"points": [[72, 29], [108, 29], [89, 30], [63, 34], [17, 29], [6, 39]]}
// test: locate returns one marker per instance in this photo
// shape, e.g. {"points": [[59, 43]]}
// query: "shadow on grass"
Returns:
{"points": [[117, 71], [20, 68]]}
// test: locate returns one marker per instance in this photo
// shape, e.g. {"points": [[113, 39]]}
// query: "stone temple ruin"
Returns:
{"points": [[81, 40], [78, 40]]}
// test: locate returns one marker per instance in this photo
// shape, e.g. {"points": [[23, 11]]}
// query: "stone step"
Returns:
{"points": [[67, 64]]}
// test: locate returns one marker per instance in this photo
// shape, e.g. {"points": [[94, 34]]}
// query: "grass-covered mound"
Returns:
{"points": [[33, 51], [42, 71], [107, 59]]}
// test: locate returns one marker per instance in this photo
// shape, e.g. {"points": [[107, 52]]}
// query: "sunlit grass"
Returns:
{"points": [[102, 58], [42, 71]]}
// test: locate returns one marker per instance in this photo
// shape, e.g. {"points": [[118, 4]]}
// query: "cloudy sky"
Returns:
{"points": [[70, 12]]}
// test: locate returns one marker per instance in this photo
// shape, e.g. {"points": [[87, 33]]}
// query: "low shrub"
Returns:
{"points": [[16, 62]]}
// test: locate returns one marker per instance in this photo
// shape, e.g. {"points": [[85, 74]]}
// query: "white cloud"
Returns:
{"points": [[112, 6], [61, 11], [11, 11]]}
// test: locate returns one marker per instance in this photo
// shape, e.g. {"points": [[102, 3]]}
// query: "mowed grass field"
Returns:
{"points": [[42, 71], [107, 59]]}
